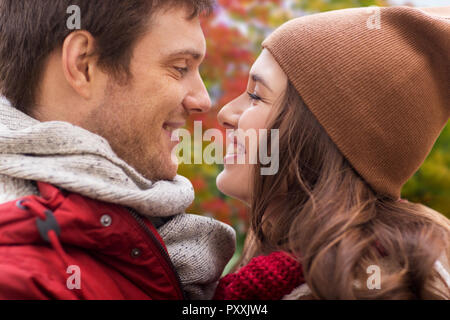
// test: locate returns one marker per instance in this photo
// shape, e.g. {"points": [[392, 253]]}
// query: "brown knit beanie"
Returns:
{"points": [[381, 92]]}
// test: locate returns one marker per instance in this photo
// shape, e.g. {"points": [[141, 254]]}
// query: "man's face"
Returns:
{"points": [[137, 119]]}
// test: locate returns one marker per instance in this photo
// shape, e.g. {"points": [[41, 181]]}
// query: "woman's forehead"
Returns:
{"points": [[269, 72]]}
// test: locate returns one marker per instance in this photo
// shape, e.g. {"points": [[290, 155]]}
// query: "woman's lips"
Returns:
{"points": [[234, 150]]}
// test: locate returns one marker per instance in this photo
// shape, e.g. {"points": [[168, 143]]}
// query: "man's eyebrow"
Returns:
{"points": [[258, 78], [196, 55]]}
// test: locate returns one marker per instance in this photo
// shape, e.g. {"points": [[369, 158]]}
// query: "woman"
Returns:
{"points": [[358, 107]]}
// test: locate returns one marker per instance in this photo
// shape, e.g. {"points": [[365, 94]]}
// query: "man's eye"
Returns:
{"points": [[183, 71], [254, 96]]}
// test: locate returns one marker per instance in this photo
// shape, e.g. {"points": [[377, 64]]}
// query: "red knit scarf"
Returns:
{"points": [[267, 278], [263, 278]]}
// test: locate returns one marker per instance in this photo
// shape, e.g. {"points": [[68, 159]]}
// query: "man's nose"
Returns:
{"points": [[198, 101]]}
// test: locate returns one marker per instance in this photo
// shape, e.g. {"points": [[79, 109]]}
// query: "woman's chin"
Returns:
{"points": [[231, 186]]}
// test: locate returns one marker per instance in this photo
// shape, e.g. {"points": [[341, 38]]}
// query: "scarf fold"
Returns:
{"points": [[79, 161]]}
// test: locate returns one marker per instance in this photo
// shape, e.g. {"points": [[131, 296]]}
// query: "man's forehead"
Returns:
{"points": [[177, 36], [175, 22]]}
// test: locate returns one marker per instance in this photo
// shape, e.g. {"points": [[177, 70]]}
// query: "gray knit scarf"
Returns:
{"points": [[79, 161]]}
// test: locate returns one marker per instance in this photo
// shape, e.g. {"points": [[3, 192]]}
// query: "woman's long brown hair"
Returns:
{"points": [[320, 210]]}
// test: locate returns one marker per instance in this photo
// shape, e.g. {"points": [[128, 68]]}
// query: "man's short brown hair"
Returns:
{"points": [[31, 29]]}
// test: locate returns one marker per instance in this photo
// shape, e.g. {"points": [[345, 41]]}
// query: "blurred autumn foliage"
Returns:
{"points": [[431, 184], [234, 33]]}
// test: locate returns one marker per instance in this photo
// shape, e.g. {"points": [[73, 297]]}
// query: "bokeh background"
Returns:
{"points": [[234, 33]]}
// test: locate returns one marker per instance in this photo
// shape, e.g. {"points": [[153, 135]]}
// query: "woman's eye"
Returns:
{"points": [[254, 96]]}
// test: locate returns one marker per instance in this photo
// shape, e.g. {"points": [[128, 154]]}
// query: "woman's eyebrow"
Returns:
{"points": [[258, 78]]}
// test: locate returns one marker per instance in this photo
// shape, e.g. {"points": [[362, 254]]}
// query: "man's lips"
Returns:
{"points": [[170, 126]]}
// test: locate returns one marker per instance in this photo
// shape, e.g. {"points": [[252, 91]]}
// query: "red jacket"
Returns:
{"points": [[52, 244]]}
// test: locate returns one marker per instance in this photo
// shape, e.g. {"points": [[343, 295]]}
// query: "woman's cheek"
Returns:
{"points": [[253, 119]]}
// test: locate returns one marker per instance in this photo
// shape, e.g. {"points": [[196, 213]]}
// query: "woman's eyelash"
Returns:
{"points": [[254, 96]]}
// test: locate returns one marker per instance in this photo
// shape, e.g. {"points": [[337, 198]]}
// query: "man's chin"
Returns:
{"points": [[172, 172], [154, 169], [163, 174]]}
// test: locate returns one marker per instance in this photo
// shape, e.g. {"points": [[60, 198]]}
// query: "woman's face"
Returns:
{"points": [[250, 111]]}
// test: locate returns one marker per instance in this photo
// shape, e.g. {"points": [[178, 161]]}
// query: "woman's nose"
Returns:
{"points": [[228, 117]]}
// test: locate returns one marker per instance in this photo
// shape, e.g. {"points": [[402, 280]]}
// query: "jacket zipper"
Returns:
{"points": [[163, 252]]}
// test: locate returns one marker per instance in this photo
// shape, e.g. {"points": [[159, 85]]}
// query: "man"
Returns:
{"points": [[90, 200]]}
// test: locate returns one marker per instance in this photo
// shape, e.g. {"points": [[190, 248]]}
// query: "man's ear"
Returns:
{"points": [[79, 62]]}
